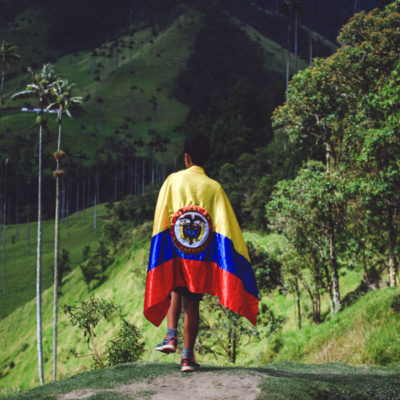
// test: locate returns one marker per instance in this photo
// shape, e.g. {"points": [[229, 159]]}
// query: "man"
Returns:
{"points": [[197, 247]]}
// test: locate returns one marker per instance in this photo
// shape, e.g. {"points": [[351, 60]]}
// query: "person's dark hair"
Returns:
{"points": [[198, 147]]}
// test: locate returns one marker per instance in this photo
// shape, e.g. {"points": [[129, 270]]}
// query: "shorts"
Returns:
{"points": [[182, 290]]}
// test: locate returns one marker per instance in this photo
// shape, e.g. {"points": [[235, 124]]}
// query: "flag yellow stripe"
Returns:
{"points": [[193, 187]]}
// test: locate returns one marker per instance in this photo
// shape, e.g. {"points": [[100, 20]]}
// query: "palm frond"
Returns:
{"points": [[25, 94]]}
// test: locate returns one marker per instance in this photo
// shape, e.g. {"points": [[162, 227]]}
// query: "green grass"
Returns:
{"points": [[280, 381], [96, 379], [272, 243], [147, 71], [371, 326], [125, 284], [330, 382], [18, 360], [21, 255], [364, 333]]}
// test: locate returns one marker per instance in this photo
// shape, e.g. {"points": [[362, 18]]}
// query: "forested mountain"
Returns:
{"points": [[148, 72]]}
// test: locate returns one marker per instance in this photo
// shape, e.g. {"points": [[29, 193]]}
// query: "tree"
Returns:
{"points": [[90, 271], [65, 266], [311, 26], [102, 256], [4, 213], [8, 56], [375, 168], [310, 210], [371, 61], [228, 331], [267, 268], [290, 7], [112, 232], [62, 99], [40, 88], [341, 110], [94, 265]]}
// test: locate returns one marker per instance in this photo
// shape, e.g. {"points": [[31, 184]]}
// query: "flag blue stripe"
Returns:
{"points": [[220, 251]]}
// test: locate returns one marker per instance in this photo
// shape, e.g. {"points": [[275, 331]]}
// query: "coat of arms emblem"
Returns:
{"points": [[191, 229]]}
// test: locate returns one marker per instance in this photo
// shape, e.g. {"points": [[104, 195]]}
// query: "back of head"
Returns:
{"points": [[198, 147]]}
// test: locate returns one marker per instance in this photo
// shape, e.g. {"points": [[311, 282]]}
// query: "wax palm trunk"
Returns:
{"points": [[393, 265], [4, 210], [3, 69], [296, 39], [8, 55], [40, 88], [56, 248], [4, 249], [39, 260]]}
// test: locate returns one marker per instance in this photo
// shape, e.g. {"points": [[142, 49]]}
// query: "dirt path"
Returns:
{"points": [[196, 386]]}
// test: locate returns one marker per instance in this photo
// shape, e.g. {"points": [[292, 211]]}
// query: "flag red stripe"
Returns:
{"points": [[198, 277]]}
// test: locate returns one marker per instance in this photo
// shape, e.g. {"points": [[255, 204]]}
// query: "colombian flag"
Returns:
{"points": [[197, 243]]}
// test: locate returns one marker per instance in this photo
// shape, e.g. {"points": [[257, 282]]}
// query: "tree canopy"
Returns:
{"points": [[343, 112]]}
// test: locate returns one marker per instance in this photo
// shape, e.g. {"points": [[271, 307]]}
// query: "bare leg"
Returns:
{"points": [[174, 311], [191, 322]]}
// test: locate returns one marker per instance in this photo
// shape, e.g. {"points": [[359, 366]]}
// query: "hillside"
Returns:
{"points": [[138, 67], [124, 283], [137, 104], [364, 333], [77, 231], [277, 381]]}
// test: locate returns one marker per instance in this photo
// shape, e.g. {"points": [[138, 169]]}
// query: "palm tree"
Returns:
{"points": [[40, 89], [356, 6], [311, 26], [8, 56], [297, 7], [4, 230], [288, 7], [61, 91]]}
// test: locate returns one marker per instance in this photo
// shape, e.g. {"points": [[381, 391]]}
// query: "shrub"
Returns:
{"points": [[94, 266], [90, 271], [266, 269], [268, 320], [136, 208], [126, 347], [275, 344], [112, 233]]}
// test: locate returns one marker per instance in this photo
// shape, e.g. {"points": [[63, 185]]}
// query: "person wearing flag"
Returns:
{"points": [[197, 247]]}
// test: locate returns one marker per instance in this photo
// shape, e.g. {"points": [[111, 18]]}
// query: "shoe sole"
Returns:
{"points": [[166, 349], [187, 369]]}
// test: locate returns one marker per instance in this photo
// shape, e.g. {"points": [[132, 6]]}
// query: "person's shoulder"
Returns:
{"points": [[200, 178], [215, 184], [171, 176]]}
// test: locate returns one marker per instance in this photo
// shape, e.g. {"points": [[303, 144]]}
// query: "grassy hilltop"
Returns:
{"points": [[276, 381], [364, 333]]}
